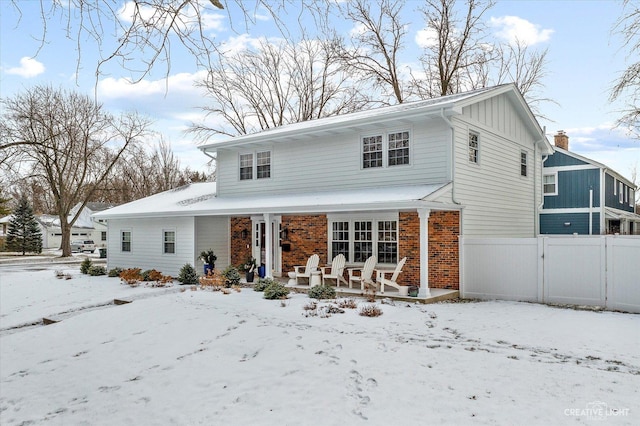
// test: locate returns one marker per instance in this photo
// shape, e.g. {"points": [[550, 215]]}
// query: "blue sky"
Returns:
{"points": [[583, 61]]}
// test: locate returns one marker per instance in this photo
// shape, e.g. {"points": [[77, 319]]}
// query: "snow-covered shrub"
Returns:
{"points": [[370, 311], [276, 291], [322, 292], [96, 270], [131, 276], [349, 303], [115, 272]]}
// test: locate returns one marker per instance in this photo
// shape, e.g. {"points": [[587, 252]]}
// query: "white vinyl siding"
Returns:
{"points": [[334, 162]]}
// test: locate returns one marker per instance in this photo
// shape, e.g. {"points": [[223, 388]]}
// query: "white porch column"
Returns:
{"points": [[268, 238], [423, 214]]}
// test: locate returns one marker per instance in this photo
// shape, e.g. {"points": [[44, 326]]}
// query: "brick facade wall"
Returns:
{"points": [[239, 250], [444, 254], [307, 235]]}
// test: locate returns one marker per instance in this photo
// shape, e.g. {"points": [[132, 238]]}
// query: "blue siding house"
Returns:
{"points": [[582, 196]]}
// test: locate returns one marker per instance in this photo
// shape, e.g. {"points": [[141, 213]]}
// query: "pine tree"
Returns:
{"points": [[23, 233]]}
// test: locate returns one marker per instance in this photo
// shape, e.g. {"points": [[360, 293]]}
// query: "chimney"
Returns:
{"points": [[561, 140]]}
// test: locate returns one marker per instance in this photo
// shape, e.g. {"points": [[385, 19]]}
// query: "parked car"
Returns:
{"points": [[82, 246]]}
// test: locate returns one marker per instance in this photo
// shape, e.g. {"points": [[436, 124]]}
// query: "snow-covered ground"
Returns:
{"points": [[206, 358]]}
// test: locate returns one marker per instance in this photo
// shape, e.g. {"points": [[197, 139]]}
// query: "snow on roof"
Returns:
{"points": [[199, 199], [403, 109]]}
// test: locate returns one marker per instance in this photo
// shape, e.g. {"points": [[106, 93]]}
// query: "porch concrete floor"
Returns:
{"points": [[437, 294]]}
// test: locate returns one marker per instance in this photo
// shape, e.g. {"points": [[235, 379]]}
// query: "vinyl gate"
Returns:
{"points": [[580, 270]]}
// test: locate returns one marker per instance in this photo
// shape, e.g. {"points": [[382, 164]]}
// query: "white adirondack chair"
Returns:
{"points": [[335, 271], [365, 274], [305, 271], [391, 282]]}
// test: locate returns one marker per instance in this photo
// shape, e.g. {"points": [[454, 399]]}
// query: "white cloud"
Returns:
{"points": [[512, 28], [28, 68], [111, 88], [187, 18], [427, 37]]}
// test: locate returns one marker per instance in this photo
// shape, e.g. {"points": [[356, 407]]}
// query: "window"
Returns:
{"points": [[631, 194], [340, 239], [169, 240], [398, 148], [549, 184], [357, 238], [260, 168], [372, 151], [246, 166], [620, 193], [387, 241], [264, 165], [103, 235], [125, 241], [523, 163], [473, 147]]}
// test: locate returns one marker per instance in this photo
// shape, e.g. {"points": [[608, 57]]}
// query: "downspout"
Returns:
{"points": [[453, 158], [603, 182]]}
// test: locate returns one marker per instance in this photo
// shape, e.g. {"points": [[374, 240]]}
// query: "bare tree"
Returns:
{"points": [[69, 143], [627, 86], [377, 42], [277, 84]]}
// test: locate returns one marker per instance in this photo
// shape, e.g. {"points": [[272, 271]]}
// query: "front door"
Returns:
{"points": [[259, 243]]}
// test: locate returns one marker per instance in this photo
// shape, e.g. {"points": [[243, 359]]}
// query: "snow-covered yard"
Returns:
{"points": [[201, 357]]}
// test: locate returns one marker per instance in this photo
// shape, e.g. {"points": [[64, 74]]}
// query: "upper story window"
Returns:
{"points": [[169, 242], [523, 163], [125, 241], [473, 147], [394, 152], [372, 151], [620, 193], [398, 148], [631, 194], [549, 185], [258, 165]]}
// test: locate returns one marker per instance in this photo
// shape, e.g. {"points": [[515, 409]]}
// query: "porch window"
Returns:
{"points": [[523, 163], [549, 184], [363, 241], [398, 148], [372, 151], [169, 241], [246, 166], [387, 241], [125, 241], [361, 236], [473, 147], [340, 239]]}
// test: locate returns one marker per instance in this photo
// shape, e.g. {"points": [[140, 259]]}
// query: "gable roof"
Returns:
{"points": [[595, 164], [445, 105], [199, 199]]}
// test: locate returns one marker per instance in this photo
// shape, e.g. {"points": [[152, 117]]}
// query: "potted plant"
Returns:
{"points": [[209, 258], [249, 268]]}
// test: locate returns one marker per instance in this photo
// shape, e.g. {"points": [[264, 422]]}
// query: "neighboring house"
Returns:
{"points": [[582, 196], [404, 180], [86, 227]]}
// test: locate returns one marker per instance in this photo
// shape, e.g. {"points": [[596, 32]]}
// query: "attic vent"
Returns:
{"points": [[195, 200]]}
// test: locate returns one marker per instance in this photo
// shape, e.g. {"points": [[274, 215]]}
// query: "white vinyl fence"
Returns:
{"points": [[579, 270]]}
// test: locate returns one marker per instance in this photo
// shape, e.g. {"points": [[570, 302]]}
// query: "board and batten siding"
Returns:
{"points": [[497, 200], [147, 244], [335, 162], [212, 232]]}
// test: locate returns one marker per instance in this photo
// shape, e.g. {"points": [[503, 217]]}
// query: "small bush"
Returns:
{"points": [[115, 272], [262, 284], [231, 276], [96, 270], [370, 311], [85, 265], [131, 276], [311, 306], [347, 303], [276, 291], [322, 292], [214, 279], [188, 275]]}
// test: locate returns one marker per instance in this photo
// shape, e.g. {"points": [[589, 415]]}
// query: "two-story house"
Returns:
{"points": [[399, 181], [582, 196]]}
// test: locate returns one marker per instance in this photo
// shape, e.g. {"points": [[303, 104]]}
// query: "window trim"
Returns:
{"points": [[555, 184], [524, 166], [254, 165], [364, 217], [165, 242], [384, 136], [122, 232], [476, 149]]}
